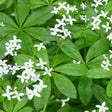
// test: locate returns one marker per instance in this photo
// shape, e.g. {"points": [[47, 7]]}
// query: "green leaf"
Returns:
{"points": [[39, 102], [100, 94], [1, 111], [108, 7], [26, 44], [91, 37], [22, 8], [109, 89], [42, 54], [40, 33], [37, 3], [72, 69], [64, 109], [8, 105], [64, 85], [85, 90], [60, 58], [39, 17], [26, 109], [21, 58], [8, 22], [98, 73], [20, 104], [98, 48], [77, 34], [1, 1], [69, 49]]}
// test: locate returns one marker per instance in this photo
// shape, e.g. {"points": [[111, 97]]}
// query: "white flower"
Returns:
{"points": [[84, 17], [36, 78], [103, 14], [12, 45], [74, 8], [107, 27], [60, 22], [110, 37], [68, 8], [41, 63], [102, 107], [62, 5], [110, 18], [8, 93], [48, 71], [70, 20], [55, 11], [111, 53], [28, 65], [40, 46], [14, 68], [97, 3], [64, 100], [83, 6], [66, 32], [17, 95], [40, 86], [96, 19], [2, 24], [106, 63], [55, 30], [95, 26], [31, 93]]}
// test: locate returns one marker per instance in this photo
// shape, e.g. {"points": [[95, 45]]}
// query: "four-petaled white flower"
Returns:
{"points": [[97, 3], [17, 95], [41, 63], [103, 14], [8, 93], [62, 5], [83, 6], [110, 37], [70, 20], [95, 26], [110, 18], [55, 11], [48, 71], [106, 27], [40, 86], [102, 107], [40, 46], [61, 22], [106, 1]]}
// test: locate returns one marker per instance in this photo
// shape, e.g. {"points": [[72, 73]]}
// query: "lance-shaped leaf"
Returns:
{"points": [[64, 85], [85, 90], [98, 48], [69, 49], [72, 69], [39, 17], [21, 10], [26, 44], [40, 33]]}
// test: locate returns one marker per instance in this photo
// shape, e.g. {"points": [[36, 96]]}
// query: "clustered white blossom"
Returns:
{"points": [[59, 28], [12, 46], [101, 108], [5, 68]]}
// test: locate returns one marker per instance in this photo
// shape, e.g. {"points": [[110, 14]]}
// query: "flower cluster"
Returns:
{"points": [[10, 93], [59, 29], [4, 68], [101, 108], [12, 46]]}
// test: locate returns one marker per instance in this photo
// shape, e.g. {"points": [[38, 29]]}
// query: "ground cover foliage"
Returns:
{"points": [[55, 56]]}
